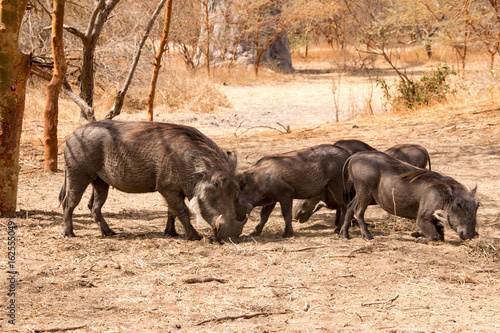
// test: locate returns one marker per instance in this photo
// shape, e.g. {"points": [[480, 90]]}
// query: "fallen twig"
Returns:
{"points": [[311, 129], [381, 302], [309, 248], [58, 329], [286, 128], [246, 316], [204, 279], [362, 249], [483, 111], [342, 256], [495, 219]]}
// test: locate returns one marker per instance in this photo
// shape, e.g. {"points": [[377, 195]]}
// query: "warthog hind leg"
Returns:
{"points": [[100, 194]]}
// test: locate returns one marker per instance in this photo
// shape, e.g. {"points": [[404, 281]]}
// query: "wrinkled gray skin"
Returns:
{"points": [[406, 191], [138, 157], [409, 153], [299, 174]]}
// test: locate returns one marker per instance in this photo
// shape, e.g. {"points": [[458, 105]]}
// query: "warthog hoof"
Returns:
{"points": [[108, 233], [288, 234], [417, 234], [69, 233], [170, 233]]}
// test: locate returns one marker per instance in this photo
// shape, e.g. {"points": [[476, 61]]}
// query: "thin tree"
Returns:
{"points": [[459, 25], [14, 71], [159, 54], [54, 87], [120, 96], [207, 29]]}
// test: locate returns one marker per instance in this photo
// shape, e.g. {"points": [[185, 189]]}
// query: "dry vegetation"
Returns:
{"points": [[142, 281]]}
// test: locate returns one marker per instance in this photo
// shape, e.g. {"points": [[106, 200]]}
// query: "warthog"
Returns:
{"points": [[304, 208], [299, 174], [138, 157], [406, 191], [409, 153], [416, 155]]}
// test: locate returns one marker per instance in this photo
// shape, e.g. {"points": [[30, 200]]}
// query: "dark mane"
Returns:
{"points": [[172, 132], [182, 137], [433, 178], [294, 153]]}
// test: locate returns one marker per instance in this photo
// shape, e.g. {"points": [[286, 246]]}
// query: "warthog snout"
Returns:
{"points": [[465, 234], [224, 230]]}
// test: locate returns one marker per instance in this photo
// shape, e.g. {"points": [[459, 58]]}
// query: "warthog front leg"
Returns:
{"points": [[286, 211], [170, 228], [264, 216], [430, 227], [177, 207]]}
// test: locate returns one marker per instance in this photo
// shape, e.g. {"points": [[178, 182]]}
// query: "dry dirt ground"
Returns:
{"points": [[138, 281]]}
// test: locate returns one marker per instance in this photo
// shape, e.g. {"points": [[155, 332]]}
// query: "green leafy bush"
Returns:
{"points": [[411, 93]]}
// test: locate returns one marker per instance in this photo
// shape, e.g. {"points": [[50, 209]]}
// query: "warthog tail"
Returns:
{"points": [[62, 194], [345, 176]]}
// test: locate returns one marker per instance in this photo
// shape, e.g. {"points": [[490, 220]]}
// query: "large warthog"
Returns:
{"points": [[299, 174], [410, 153], [138, 157], [406, 191]]}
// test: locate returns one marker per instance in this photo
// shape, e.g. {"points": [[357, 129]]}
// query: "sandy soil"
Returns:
{"points": [[313, 282]]}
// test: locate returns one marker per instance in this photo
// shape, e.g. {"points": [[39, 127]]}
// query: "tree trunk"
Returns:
{"points": [[54, 87], [87, 75], [14, 71], [89, 38], [159, 54], [237, 43], [278, 54]]}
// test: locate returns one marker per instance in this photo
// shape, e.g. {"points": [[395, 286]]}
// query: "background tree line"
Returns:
{"points": [[101, 37]]}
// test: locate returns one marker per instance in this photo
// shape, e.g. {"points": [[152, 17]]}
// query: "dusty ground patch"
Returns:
{"points": [[314, 282]]}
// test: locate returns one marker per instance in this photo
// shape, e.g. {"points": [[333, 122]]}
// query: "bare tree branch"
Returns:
{"points": [[120, 96], [75, 32], [86, 112], [93, 18]]}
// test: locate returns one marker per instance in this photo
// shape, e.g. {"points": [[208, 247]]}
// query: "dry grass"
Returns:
{"points": [[483, 248], [313, 282]]}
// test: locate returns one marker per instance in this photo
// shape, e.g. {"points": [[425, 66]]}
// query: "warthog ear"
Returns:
{"points": [[249, 208], [232, 160], [241, 179], [473, 191], [442, 216]]}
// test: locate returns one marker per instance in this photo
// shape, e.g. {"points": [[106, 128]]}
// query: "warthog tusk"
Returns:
{"points": [[217, 223]]}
